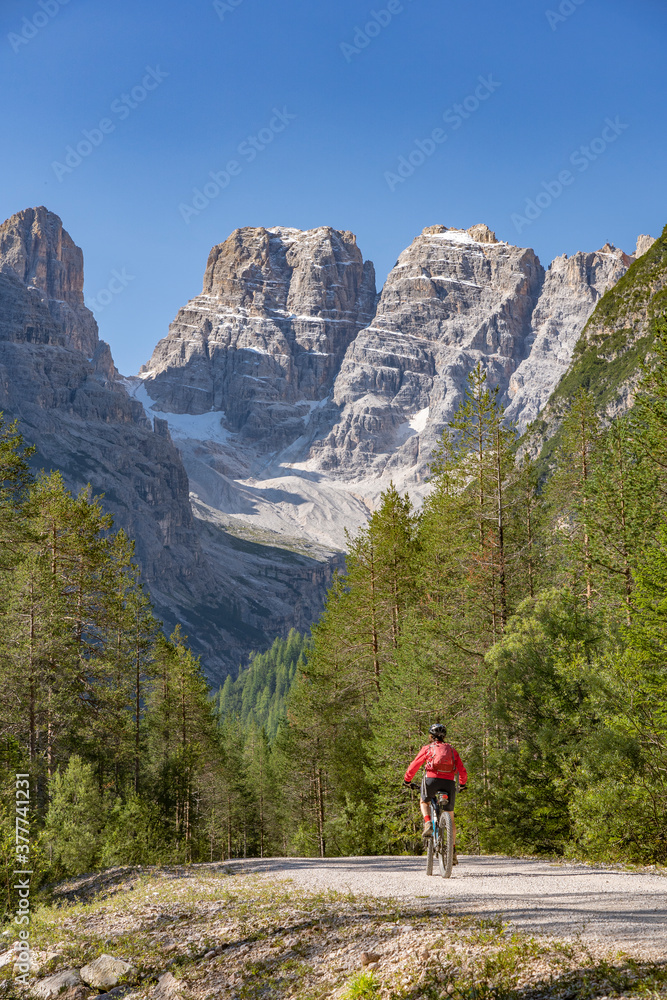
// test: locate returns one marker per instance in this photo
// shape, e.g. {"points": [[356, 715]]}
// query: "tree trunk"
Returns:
{"points": [[320, 812], [501, 536], [137, 709], [374, 634]]}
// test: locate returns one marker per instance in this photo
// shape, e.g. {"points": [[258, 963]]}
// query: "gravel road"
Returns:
{"points": [[604, 906]]}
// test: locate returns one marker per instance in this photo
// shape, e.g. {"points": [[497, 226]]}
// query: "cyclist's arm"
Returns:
{"points": [[416, 764], [463, 774]]}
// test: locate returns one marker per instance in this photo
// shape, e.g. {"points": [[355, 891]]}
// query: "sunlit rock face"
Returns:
{"points": [[267, 335], [571, 290]]}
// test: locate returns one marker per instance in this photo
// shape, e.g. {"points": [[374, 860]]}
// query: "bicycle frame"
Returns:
{"points": [[441, 844], [440, 797], [442, 821]]}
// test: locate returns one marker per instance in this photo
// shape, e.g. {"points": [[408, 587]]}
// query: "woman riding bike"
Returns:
{"points": [[441, 765]]}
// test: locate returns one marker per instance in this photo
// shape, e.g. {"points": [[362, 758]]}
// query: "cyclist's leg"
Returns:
{"points": [[452, 802], [450, 788], [425, 807]]}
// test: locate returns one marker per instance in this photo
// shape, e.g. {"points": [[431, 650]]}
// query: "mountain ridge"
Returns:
{"points": [[314, 462], [285, 398]]}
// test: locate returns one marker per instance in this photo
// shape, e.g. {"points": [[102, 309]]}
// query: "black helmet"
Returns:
{"points": [[438, 730]]}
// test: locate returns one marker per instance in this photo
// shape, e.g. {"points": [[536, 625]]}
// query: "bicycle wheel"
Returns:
{"points": [[430, 848], [446, 844]]}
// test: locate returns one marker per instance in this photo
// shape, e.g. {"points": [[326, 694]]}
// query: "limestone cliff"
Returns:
{"points": [[266, 336], [41, 255], [76, 413], [294, 399], [295, 396], [571, 290], [453, 299]]}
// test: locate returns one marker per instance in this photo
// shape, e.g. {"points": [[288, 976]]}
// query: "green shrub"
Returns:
{"points": [[615, 820], [132, 835], [74, 820]]}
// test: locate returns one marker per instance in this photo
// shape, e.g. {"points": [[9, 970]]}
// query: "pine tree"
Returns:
{"points": [[650, 410], [260, 792], [620, 513], [181, 736], [234, 790], [75, 818], [567, 497], [16, 478]]}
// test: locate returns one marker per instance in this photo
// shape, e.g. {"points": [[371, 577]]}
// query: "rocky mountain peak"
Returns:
{"points": [[482, 234], [37, 252], [455, 297], [478, 234], [278, 310], [280, 268], [610, 250], [644, 244]]}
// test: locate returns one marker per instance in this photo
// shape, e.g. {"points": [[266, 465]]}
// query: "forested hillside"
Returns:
{"points": [[112, 721], [608, 356], [258, 696], [528, 617], [533, 621]]}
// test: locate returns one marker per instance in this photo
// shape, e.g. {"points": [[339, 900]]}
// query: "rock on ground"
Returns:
{"points": [[52, 986], [105, 972]]}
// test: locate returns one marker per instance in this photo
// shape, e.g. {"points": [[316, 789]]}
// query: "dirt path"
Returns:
{"points": [[600, 904]]}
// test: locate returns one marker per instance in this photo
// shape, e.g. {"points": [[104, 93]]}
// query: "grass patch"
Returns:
{"points": [[364, 986]]}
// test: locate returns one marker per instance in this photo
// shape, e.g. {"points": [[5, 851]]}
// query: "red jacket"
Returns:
{"points": [[423, 756]]}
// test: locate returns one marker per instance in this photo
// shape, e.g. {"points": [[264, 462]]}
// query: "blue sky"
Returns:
{"points": [[330, 112]]}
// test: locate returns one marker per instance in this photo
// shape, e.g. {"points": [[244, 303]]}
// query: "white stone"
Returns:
{"points": [[106, 972], [53, 985], [168, 985]]}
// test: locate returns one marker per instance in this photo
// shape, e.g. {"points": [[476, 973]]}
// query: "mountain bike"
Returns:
{"points": [[441, 844]]}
